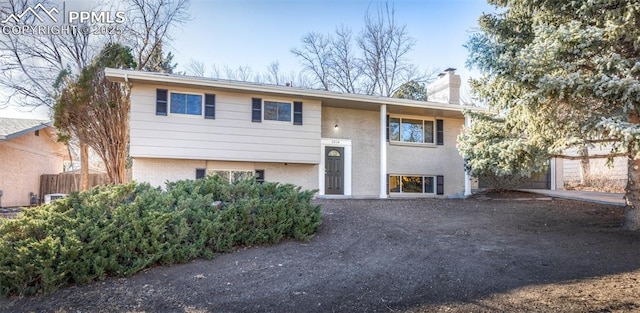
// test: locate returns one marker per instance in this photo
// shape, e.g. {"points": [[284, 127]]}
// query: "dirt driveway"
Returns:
{"points": [[399, 255]]}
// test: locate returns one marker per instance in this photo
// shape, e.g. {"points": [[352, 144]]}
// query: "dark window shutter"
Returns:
{"points": [[387, 141], [210, 106], [161, 101], [440, 132], [297, 113], [440, 184], [256, 110], [260, 176], [200, 173]]}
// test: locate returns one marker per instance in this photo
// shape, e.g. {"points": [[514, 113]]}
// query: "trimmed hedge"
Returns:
{"points": [[119, 230]]}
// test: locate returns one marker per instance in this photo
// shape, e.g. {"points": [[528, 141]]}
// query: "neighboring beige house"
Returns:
{"points": [[344, 145], [599, 172], [28, 149]]}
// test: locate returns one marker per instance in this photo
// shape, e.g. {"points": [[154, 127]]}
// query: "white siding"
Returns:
{"points": [[231, 136]]}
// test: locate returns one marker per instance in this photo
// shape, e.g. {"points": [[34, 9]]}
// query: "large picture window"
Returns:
{"points": [[411, 184], [410, 130], [183, 103], [277, 111]]}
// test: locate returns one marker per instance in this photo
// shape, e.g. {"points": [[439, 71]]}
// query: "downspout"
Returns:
{"points": [[383, 151]]}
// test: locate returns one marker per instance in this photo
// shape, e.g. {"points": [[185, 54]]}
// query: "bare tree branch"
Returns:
{"points": [[376, 64], [316, 57], [196, 68], [149, 23]]}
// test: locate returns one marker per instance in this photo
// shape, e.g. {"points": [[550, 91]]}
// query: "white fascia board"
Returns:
{"points": [[130, 75]]}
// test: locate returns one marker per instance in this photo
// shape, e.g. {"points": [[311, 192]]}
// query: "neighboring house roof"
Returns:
{"points": [[14, 127], [163, 78]]}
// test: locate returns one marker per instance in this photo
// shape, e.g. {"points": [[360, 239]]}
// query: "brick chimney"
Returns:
{"points": [[446, 88]]}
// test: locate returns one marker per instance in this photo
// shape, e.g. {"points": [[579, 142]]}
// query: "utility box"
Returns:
{"points": [[53, 196]]}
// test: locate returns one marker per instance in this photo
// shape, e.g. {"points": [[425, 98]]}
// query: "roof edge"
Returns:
{"points": [[120, 75], [26, 131]]}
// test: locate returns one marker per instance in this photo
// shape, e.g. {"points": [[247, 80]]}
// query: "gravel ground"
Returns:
{"points": [[424, 255]]}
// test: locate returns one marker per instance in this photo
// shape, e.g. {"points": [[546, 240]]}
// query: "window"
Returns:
{"points": [[260, 176], [183, 103], [410, 130], [277, 111], [200, 173], [256, 110], [210, 106], [161, 102], [237, 175], [411, 184], [297, 113]]}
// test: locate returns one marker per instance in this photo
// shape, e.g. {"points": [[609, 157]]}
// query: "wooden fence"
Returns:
{"points": [[66, 183]]}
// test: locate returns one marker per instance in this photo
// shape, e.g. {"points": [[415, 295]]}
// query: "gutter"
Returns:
{"points": [[130, 75]]}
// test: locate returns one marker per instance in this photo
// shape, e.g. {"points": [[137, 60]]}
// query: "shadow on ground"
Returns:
{"points": [[399, 255]]}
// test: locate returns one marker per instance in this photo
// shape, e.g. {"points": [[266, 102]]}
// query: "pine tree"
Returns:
{"points": [[160, 63], [566, 73]]}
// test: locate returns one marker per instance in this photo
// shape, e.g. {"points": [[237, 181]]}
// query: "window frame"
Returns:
{"points": [[433, 179], [291, 113], [231, 178], [400, 118], [169, 101]]}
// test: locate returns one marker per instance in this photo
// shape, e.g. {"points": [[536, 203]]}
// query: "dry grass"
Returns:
{"points": [[600, 182]]}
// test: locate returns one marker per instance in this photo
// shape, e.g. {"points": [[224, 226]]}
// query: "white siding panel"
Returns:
{"points": [[226, 146], [216, 154], [231, 136], [303, 140], [159, 130]]}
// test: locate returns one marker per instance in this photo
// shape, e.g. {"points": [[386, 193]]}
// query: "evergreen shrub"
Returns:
{"points": [[116, 231]]}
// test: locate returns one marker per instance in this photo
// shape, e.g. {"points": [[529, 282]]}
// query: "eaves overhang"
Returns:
{"points": [[327, 97]]}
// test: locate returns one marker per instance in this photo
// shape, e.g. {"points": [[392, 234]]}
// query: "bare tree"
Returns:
{"points": [[196, 68], [32, 64], [385, 45], [316, 57], [274, 76], [215, 71], [241, 73], [245, 73], [376, 64], [96, 111], [347, 69], [149, 23]]}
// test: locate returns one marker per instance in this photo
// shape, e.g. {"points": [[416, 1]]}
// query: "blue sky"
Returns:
{"points": [[258, 32]]}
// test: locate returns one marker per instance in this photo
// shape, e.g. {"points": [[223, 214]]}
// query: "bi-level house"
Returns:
{"points": [[343, 145]]}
